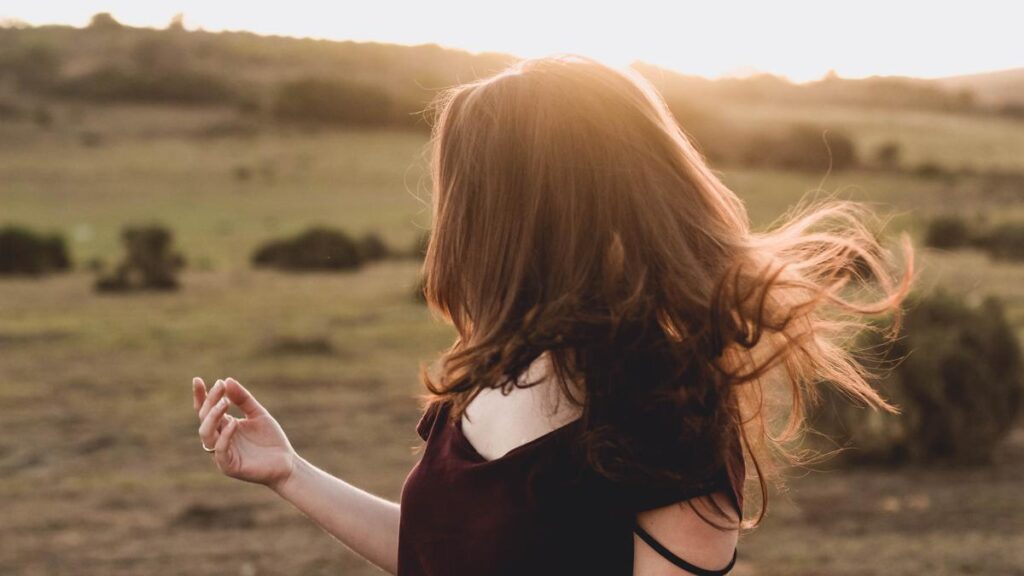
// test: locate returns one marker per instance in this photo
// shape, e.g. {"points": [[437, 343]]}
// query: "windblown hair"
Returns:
{"points": [[573, 216]]}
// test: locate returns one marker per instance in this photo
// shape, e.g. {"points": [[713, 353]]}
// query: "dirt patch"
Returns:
{"points": [[299, 346], [205, 516]]}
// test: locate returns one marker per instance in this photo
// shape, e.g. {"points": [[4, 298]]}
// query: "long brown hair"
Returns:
{"points": [[573, 216]]}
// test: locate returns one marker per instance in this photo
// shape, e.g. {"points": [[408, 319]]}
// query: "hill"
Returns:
{"points": [[109, 62], [1004, 87]]}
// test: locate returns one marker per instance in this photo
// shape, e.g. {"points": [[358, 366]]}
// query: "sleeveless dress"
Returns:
{"points": [[534, 511]]}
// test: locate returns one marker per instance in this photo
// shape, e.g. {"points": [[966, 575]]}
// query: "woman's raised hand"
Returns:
{"points": [[254, 448]]}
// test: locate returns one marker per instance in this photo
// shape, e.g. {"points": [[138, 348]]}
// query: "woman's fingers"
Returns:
{"points": [[224, 440], [214, 396], [208, 429], [198, 393], [243, 399]]}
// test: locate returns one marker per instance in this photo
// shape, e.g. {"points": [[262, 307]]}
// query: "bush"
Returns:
{"points": [[42, 116], [150, 262], [959, 383], [332, 101], [319, 248], [947, 232], [888, 155], [242, 173], [932, 170], [104, 21], [1004, 242], [32, 67], [25, 252], [801, 147]]}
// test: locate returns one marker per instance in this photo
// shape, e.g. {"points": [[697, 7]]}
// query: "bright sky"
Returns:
{"points": [[800, 40]]}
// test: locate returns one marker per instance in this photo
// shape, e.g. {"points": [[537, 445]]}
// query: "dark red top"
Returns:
{"points": [[536, 510]]}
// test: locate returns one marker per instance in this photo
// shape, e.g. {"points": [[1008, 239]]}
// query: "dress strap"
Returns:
{"points": [[679, 561]]}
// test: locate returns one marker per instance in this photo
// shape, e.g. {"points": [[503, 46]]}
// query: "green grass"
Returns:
{"points": [[100, 462], [361, 181]]}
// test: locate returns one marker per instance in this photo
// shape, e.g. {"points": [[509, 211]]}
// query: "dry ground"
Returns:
{"points": [[101, 470]]}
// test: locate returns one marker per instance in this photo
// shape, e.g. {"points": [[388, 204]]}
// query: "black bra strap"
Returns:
{"points": [[679, 561]]}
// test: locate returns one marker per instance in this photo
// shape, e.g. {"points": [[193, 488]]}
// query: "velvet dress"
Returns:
{"points": [[536, 510]]}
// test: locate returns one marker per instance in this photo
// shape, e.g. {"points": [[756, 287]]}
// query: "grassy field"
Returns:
{"points": [[952, 140], [100, 467], [222, 196]]}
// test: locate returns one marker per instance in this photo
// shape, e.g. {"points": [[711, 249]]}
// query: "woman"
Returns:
{"points": [[622, 336]]}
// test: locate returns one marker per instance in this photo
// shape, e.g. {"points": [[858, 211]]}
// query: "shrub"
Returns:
{"points": [[888, 155], [25, 252], [42, 116], [1012, 109], [1004, 242], [318, 248], [32, 67], [959, 383], [177, 23], [931, 170], [333, 101], [801, 147], [950, 231], [150, 262], [104, 21], [242, 172]]}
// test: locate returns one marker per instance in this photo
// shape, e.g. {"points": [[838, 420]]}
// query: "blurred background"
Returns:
{"points": [[192, 188]]}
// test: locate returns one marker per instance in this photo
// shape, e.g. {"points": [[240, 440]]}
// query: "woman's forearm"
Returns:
{"points": [[365, 523]]}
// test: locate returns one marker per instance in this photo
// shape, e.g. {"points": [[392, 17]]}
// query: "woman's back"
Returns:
{"points": [[530, 506]]}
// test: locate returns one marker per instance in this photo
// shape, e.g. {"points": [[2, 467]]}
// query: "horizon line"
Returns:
{"points": [[742, 73]]}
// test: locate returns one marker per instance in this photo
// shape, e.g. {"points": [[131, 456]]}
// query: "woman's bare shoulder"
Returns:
{"points": [[496, 423]]}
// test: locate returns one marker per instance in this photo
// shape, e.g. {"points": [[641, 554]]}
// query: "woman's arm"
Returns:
{"points": [[256, 449], [365, 523]]}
